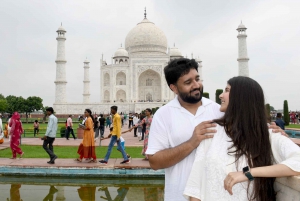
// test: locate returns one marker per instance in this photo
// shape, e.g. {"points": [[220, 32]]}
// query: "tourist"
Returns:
{"points": [[147, 121], [50, 135], [116, 134], [242, 149], [130, 120], [9, 118], [179, 126], [15, 133], [86, 148], [102, 124], [6, 130], [140, 128], [36, 127], [70, 128], [121, 139], [135, 121], [96, 128], [108, 121], [279, 122]]}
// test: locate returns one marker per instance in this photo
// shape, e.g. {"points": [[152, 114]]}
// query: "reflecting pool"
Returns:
{"points": [[72, 189]]}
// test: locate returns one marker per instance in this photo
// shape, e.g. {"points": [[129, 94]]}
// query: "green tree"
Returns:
{"points": [[3, 105], [1, 97], [272, 108], [45, 113], [218, 93], [268, 112], [32, 103], [206, 95], [15, 104], [286, 116]]}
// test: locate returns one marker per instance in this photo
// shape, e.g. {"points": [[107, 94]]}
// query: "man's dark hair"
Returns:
{"points": [[114, 108], [279, 115], [101, 115], [70, 115], [177, 68], [50, 109]]}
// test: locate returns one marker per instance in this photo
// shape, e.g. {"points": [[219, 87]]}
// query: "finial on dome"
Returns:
{"points": [[121, 44], [145, 14], [61, 24], [174, 44]]}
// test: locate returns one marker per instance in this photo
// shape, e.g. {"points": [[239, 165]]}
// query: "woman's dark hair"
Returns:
{"points": [[36, 121], [177, 68], [245, 122], [90, 112], [149, 110]]}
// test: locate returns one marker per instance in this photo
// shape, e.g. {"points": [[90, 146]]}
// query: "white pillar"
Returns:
{"points": [[60, 82], [86, 82], [243, 56]]}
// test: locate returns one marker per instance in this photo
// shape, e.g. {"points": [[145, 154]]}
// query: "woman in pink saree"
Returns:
{"points": [[15, 133]]}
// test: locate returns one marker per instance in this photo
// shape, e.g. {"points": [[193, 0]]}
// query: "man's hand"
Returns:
{"points": [[44, 138], [277, 129], [233, 178], [202, 131]]}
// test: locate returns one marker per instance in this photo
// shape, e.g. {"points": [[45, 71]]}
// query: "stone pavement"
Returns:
{"points": [[130, 140]]}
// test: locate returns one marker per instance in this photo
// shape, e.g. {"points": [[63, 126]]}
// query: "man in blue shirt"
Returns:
{"points": [[50, 135], [279, 122]]}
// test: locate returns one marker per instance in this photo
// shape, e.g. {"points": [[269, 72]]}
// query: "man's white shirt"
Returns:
{"points": [[171, 126]]}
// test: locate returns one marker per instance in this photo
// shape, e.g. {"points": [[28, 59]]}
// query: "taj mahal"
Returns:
{"points": [[135, 79]]}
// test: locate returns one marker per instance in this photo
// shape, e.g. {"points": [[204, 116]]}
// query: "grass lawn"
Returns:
{"points": [[293, 126], [69, 152]]}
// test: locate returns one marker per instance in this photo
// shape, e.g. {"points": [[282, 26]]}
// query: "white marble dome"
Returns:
{"points": [[146, 37], [61, 29], [175, 52], [121, 52], [241, 26]]}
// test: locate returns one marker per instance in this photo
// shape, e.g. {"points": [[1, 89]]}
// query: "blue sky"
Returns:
{"points": [[205, 28]]}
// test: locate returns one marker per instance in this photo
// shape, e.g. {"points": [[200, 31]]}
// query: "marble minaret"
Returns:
{"points": [[243, 56], [60, 82], [86, 82]]}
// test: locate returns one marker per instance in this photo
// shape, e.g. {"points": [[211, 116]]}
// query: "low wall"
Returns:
{"points": [[288, 188]]}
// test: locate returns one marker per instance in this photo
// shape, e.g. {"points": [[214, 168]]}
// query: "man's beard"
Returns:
{"points": [[187, 97]]}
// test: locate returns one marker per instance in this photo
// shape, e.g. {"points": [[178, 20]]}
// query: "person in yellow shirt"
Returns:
{"points": [[115, 138]]}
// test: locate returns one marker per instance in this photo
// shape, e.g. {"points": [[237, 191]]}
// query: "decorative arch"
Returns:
{"points": [[149, 88], [106, 96], [121, 78], [106, 79], [121, 96]]}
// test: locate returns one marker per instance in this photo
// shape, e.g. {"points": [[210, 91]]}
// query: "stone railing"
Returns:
{"points": [[288, 188]]}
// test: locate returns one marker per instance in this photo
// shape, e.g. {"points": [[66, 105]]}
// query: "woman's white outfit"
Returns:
{"points": [[213, 163]]}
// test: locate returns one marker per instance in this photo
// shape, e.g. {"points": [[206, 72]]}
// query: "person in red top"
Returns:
{"points": [[15, 132], [70, 128]]}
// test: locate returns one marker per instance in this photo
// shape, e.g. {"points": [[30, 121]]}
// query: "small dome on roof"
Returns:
{"points": [[241, 26], [121, 52], [175, 52], [61, 29], [86, 61]]}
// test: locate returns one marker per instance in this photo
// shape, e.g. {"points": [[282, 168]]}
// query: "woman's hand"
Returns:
{"points": [[277, 129], [233, 178]]}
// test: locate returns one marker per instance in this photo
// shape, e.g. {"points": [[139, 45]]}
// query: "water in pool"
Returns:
{"points": [[72, 189]]}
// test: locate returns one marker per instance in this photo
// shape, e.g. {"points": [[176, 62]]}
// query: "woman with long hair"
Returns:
{"points": [[86, 149], [147, 120], [16, 130], [244, 157]]}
